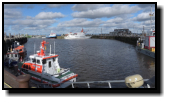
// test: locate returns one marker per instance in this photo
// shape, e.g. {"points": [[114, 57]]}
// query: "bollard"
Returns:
{"points": [[24, 80], [15, 69]]}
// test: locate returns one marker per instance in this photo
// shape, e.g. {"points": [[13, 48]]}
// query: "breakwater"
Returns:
{"points": [[8, 42], [130, 40]]}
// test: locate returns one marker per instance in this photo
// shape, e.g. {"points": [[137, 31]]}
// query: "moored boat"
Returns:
{"points": [[52, 36], [79, 35], [14, 54], [45, 68], [146, 44]]}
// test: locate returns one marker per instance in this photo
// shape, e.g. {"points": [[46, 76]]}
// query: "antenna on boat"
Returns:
{"points": [[34, 47], [54, 47], [50, 49]]}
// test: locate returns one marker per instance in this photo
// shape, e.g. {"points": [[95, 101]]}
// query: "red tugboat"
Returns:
{"points": [[45, 69]]}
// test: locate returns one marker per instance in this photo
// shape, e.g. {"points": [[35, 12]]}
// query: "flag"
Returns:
{"points": [[151, 14]]}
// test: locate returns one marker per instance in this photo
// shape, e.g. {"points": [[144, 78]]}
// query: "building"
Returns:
{"points": [[120, 32]]}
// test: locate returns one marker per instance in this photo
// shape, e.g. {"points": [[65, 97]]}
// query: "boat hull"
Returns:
{"points": [[77, 37], [146, 52], [51, 37], [51, 81]]}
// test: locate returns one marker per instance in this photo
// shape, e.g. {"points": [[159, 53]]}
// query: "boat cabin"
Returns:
{"points": [[13, 55], [15, 44]]}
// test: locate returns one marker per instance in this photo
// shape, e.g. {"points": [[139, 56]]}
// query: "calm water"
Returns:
{"points": [[98, 59]]}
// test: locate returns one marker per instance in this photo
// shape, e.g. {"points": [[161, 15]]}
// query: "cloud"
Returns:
{"points": [[12, 14], [108, 12], [146, 5], [55, 5], [115, 20], [80, 22], [49, 15], [143, 17], [85, 7], [11, 6]]}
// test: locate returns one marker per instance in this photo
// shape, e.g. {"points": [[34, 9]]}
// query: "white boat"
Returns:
{"points": [[146, 44], [79, 35], [45, 69], [52, 35]]}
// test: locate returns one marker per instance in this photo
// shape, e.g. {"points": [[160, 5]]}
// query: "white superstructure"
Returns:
{"points": [[79, 35]]}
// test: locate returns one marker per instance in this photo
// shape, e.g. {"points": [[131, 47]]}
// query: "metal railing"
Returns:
{"points": [[49, 85]]}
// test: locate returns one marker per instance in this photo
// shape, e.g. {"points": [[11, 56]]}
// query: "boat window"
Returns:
{"points": [[7, 55], [20, 50], [153, 34], [24, 66], [49, 64], [38, 61], [33, 60], [11, 55], [44, 61], [54, 59], [15, 55], [29, 67]]}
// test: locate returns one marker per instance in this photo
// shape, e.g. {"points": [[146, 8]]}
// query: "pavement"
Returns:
{"points": [[6, 85]]}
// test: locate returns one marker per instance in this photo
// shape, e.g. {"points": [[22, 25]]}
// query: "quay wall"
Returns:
{"points": [[8, 42], [10, 79], [60, 37], [130, 40]]}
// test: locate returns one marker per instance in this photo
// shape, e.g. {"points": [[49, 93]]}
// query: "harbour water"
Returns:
{"points": [[97, 59]]}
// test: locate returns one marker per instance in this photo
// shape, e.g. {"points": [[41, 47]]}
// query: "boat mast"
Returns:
{"points": [[151, 17], [50, 49], [54, 47]]}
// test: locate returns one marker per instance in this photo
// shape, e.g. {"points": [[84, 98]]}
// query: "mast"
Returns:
{"points": [[54, 47], [42, 53], [151, 14], [50, 48], [151, 18]]}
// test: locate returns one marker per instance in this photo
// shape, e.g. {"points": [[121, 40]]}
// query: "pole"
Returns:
{"points": [[50, 48], [150, 17], [54, 47], [34, 47]]}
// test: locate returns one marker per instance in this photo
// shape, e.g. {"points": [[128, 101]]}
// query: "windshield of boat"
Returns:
{"points": [[153, 34]]}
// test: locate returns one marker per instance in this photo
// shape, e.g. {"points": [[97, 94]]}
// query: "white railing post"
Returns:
{"points": [[109, 84], [88, 85], [72, 85]]}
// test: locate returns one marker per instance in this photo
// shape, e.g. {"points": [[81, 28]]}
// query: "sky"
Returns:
{"points": [[42, 19]]}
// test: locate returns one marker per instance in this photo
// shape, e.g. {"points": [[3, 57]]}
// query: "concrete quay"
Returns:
{"points": [[128, 39]]}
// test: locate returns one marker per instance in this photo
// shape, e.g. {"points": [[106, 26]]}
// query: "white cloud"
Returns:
{"points": [[80, 22], [12, 14], [13, 5], [55, 5], [84, 7], [49, 15], [143, 17], [116, 20], [113, 11]]}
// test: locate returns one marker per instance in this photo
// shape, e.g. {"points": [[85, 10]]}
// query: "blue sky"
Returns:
{"points": [[64, 18]]}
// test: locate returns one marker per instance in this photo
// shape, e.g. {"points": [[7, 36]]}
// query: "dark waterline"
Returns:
{"points": [[98, 59]]}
